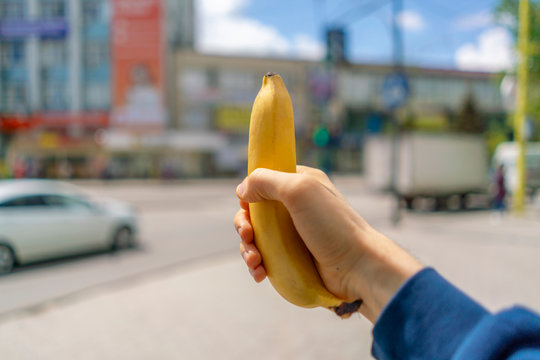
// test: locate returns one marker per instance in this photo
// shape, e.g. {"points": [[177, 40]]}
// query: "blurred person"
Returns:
{"points": [[416, 313], [499, 190]]}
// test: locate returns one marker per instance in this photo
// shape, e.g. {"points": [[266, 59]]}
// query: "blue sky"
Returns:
{"points": [[445, 34]]}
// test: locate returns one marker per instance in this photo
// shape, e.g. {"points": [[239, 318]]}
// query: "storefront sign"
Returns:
{"points": [[233, 118], [25, 28]]}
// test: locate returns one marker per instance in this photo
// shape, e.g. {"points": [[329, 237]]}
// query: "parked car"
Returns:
{"points": [[44, 219]]}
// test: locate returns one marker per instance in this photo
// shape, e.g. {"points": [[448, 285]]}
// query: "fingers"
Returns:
{"points": [[243, 227], [263, 184], [259, 273], [250, 254], [248, 250]]}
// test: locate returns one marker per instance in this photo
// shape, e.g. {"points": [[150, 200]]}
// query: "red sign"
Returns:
{"points": [[97, 119], [62, 119], [12, 123], [138, 64]]}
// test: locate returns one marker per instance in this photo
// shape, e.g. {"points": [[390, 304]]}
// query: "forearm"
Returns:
{"points": [[382, 268]]}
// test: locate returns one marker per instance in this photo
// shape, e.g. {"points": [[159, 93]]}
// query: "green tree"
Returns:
{"points": [[469, 119], [506, 14]]}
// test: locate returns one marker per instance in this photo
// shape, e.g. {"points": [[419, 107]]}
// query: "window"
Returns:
{"points": [[11, 53], [54, 95], [14, 97], [96, 54], [60, 201], [91, 11], [97, 95], [24, 201], [51, 9], [12, 9], [53, 52]]}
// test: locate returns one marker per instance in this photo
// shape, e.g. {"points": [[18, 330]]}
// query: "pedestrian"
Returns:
{"points": [[499, 190], [416, 313]]}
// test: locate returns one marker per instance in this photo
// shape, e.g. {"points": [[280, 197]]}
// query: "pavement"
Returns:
{"points": [[211, 309]]}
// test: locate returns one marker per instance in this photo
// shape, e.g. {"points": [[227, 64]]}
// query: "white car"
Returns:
{"points": [[43, 219]]}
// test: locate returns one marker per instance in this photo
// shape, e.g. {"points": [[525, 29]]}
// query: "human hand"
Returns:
{"points": [[354, 260]]}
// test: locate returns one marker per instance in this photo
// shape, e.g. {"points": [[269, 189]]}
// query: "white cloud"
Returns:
{"points": [[473, 21], [223, 29], [221, 7], [306, 47], [492, 52], [411, 20]]}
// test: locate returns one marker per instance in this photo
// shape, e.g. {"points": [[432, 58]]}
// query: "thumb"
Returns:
{"points": [[264, 184]]}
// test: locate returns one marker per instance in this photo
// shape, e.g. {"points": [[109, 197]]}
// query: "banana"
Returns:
{"points": [[287, 261]]}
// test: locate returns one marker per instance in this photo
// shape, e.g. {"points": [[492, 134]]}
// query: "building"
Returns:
{"points": [[214, 95], [69, 68], [60, 70]]}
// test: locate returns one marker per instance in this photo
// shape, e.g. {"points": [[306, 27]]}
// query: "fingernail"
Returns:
{"points": [[240, 189], [245, 255]]}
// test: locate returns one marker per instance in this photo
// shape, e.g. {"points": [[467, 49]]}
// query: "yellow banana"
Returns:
{"points": [[287, 261]]}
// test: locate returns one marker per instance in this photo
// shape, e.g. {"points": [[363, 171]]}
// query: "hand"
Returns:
{"points": [[353, 259]]}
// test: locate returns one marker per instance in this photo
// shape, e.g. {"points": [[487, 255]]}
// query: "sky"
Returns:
{"points": [[457, 34]]}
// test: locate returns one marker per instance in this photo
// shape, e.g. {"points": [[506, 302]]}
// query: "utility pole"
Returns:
{"points": [[521, 102], [397, 56]]}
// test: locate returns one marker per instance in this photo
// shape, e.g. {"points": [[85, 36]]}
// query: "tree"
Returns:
{"points": [[469, 119], [506, 14]]}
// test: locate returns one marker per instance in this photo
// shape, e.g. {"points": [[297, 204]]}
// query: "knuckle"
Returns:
{"points": [[299, 189], [321, 174]]}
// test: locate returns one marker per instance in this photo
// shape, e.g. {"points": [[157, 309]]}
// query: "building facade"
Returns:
{"points": [[335, 107], [57, 74]]}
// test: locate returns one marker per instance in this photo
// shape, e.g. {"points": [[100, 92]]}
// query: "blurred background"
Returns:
{"points": [[426, 114], [163, 89]]}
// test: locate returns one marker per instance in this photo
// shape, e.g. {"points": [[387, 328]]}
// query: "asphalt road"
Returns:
{"points": [[184, 222], [185, 292]]}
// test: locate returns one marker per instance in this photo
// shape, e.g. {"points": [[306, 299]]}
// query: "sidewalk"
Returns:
{"points": [[212, 310]]}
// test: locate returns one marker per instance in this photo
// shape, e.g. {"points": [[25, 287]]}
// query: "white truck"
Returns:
{"points": [[437, 166]]}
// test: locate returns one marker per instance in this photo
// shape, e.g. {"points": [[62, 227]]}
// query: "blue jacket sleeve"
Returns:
{"points": [[429, 318]]}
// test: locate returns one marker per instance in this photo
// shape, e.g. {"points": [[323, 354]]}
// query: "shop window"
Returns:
{"points": [[54, 96], [14, 99]]}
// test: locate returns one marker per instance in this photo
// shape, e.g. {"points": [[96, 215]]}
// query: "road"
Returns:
{"points": [[182, 222], [185, 291]]}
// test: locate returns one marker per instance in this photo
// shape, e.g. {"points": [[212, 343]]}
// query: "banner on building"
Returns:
{"points": [[138, 63]]}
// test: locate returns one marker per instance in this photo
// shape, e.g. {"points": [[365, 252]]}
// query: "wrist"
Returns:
{"points": [[382, 268]]}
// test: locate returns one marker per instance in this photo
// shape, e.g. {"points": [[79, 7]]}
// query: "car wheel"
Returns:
{"points": [[7, 259], [123, 239]]}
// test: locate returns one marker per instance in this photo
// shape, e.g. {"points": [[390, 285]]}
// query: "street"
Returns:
{"points": [[184, 293]]}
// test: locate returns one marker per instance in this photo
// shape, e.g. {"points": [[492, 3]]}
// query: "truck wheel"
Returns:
{"points": [[463, 202], [441, 203], [409, 202]]}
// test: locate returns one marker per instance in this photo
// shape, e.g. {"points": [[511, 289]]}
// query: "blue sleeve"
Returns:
{"points": [[429, 318]]}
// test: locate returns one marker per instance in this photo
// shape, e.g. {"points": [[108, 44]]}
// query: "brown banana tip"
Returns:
{"points": [[270, 74], [347, 309]]}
